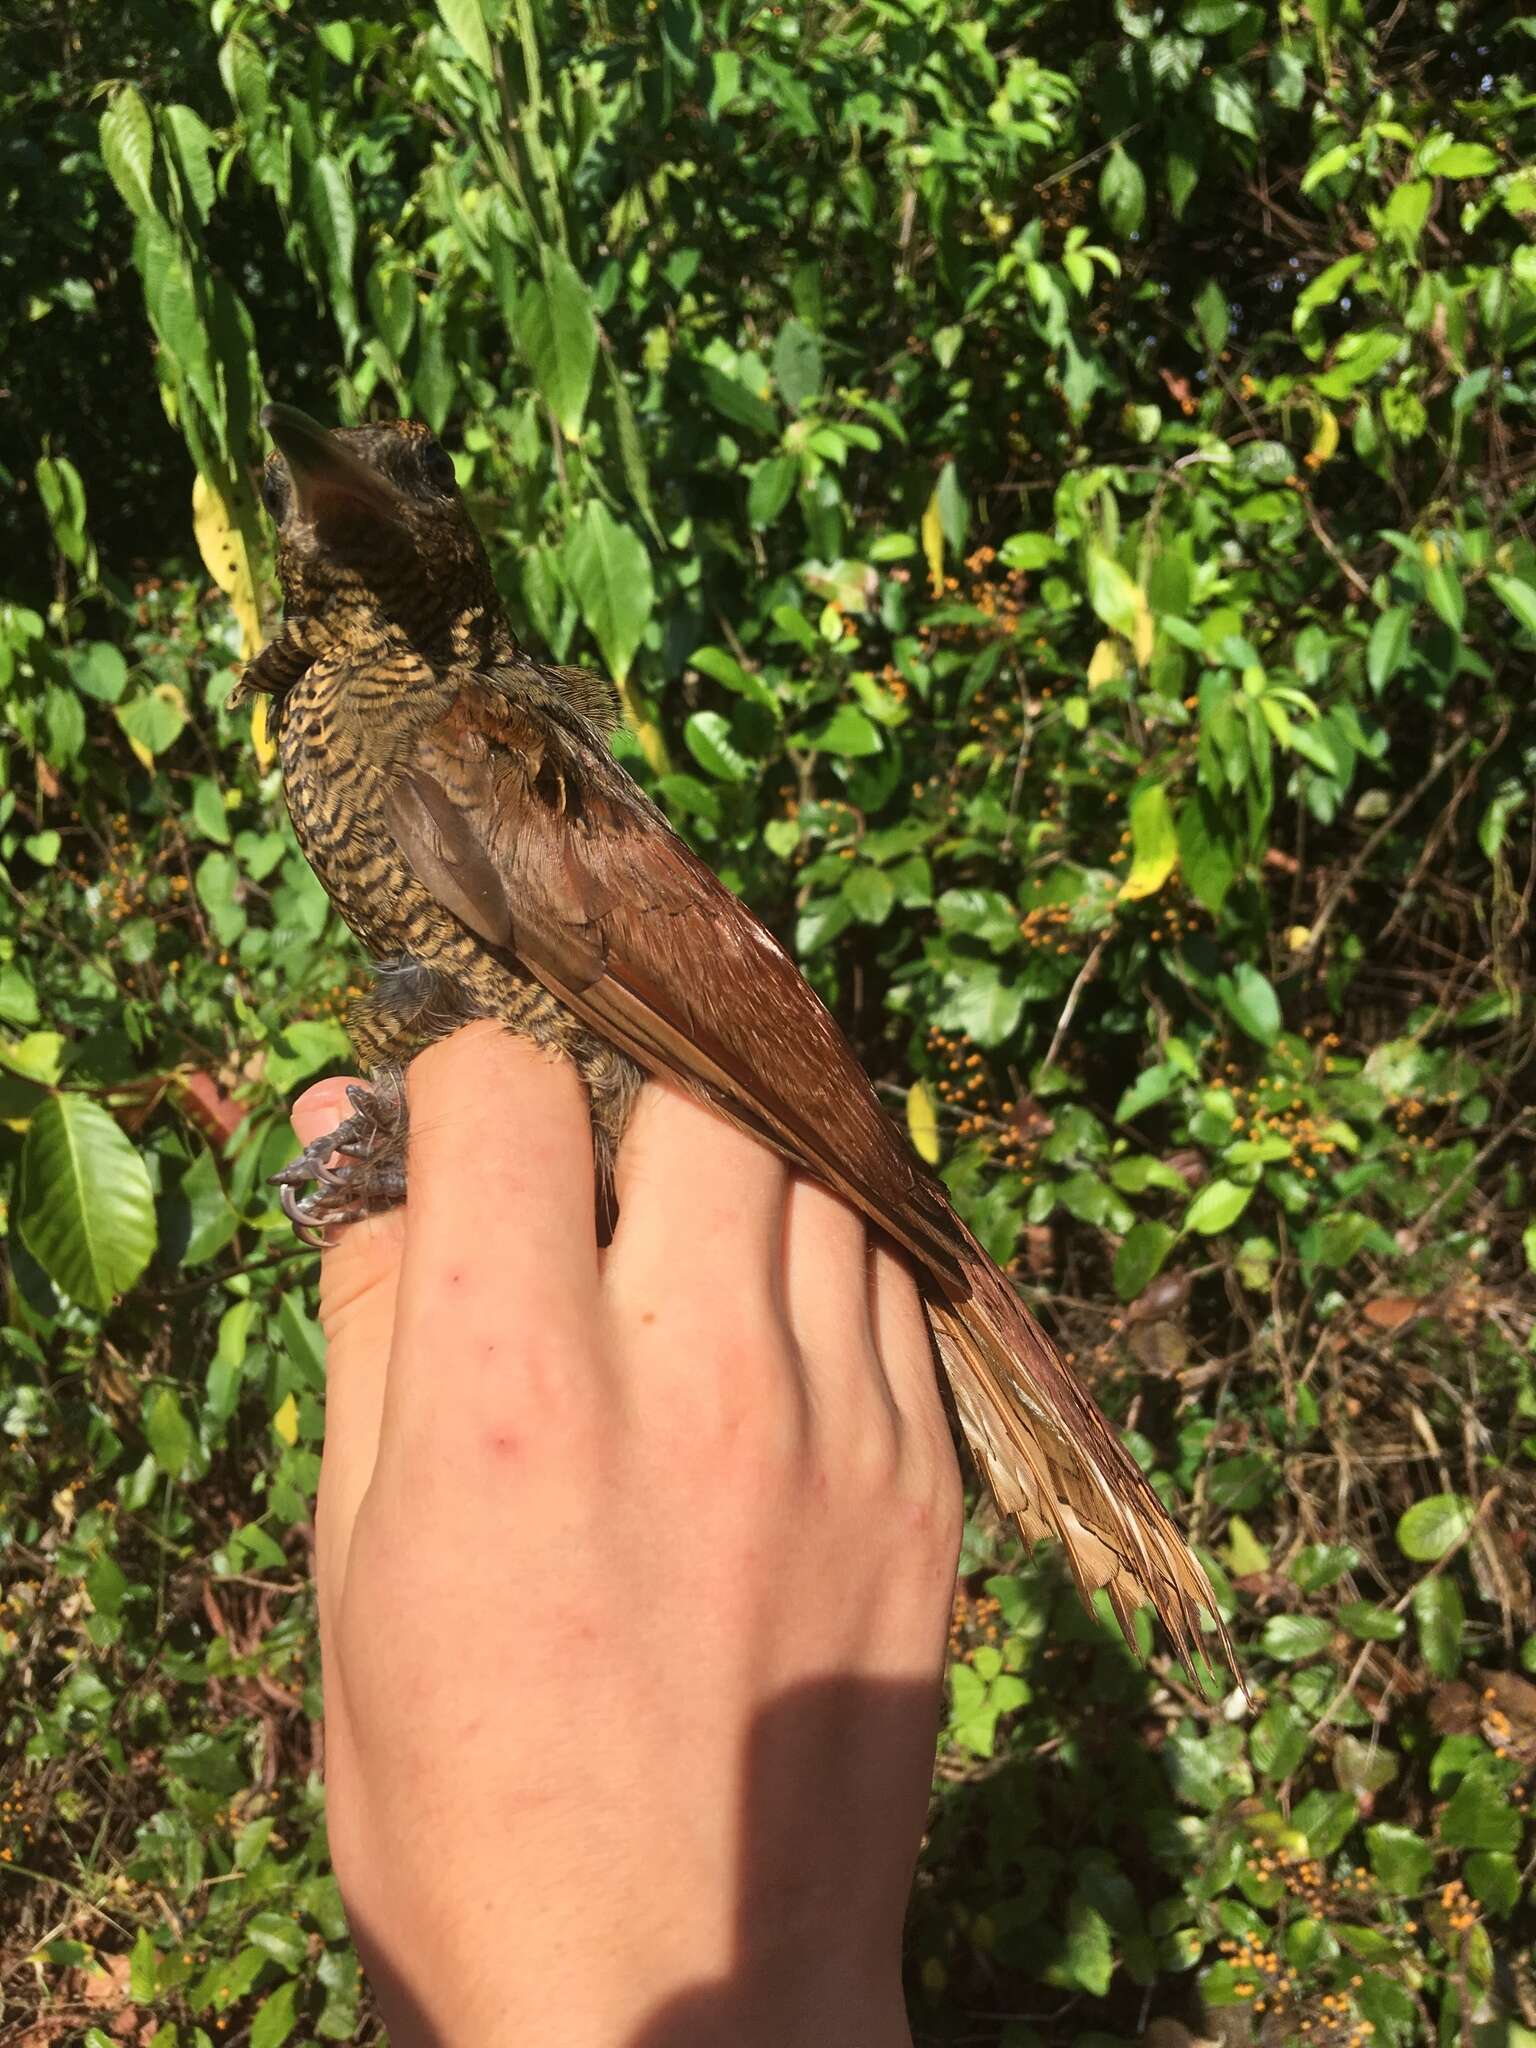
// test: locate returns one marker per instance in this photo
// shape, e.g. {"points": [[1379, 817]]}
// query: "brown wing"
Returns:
{"points": [[541, 844]]}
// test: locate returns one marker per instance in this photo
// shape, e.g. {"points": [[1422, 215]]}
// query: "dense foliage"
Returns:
{"points": [[1054, 482]]}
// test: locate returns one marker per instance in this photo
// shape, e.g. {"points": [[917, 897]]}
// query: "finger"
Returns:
{"points": [[900, 1324], [358, 1278], [701, 1219], [500, 1259], [826, 1285]]}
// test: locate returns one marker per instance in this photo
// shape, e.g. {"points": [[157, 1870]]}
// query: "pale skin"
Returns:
{"points": [[635, 1570]]}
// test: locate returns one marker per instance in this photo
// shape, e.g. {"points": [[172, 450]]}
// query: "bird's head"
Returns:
{"points": [[372, 534]]}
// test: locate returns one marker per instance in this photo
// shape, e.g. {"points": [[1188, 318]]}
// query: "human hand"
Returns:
{"points": [[634, 1572]]}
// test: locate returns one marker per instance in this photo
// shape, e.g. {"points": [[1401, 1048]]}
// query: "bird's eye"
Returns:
{"points": [[437, 467], [274, 493]]}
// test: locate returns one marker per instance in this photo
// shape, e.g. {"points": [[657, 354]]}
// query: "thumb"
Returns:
{"points": [[361, 1265], [359, 1275]]}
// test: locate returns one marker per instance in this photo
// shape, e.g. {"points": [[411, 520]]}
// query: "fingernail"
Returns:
{"points": [[321, 1108]]}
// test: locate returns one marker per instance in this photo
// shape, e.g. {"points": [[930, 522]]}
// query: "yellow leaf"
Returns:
{"points": [[1430, 550], [1143, 629], [923, 1123], [141, 753], [933, 543], [1154, 843], [1326, 440], [227, 560], [262, 745], [285, 1422], [1104, 664], [645, 730]]}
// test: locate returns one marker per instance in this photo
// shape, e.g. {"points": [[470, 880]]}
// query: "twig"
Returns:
{"points": [[1388, 824], [1085, 974]]}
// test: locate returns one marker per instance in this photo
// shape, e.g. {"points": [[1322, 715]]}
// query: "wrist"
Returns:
{"points": [[779, 2002]]}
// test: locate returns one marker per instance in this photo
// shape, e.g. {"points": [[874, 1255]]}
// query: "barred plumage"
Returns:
{"points": [[459, 803]]}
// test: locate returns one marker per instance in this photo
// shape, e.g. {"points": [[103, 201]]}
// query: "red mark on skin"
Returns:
{"points": [[504, 1443], [648, 1315]]}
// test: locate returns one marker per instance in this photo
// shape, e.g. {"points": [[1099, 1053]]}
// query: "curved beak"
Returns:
{"points": [[327, 477]]}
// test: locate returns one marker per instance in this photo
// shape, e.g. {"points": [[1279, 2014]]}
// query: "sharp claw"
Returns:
{"points": [[341, 1176], [307, 1231]]}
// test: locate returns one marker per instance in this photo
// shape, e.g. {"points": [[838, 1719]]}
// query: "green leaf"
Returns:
{"points": [[1232, 104], [192, 139], [278, 1937], [1338, 1237], [85, 1209], [1154, 843], [1250, 1001], [1281, 1738], [557, 331], [954, 515], [144, 1958], [1401, 1859], [726, 669], [1140, 1258], [1213, 316], [797, 364], [1151, 1086], [1205, 859], [729, 396], [1293, 1638], [1217, 1207], [1481, 1815], [773, 482], [276, 2016], [98, 669], [18, 997], [708, 738], [168, 1431], [869, 893], [1493, 1878], [1387, 649], [1433, 1526], [1327, 164], [465, 22], [36, 1057], [1369, 1622], [211, 1222], [330, 209], [392, 302], [1440, 1615], [847, 732], [1122, 192], [128, 150], [156, 720], [1519, 598], [1443, 587], [982, 1005], [305, 1046], [1086, 1960], [1442, 157], [609, 573], [1112, 592]]}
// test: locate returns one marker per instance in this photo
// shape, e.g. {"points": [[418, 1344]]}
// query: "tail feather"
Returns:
{"points": [[1054, 1463]]}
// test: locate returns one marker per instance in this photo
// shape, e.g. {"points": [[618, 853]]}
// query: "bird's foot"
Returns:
{"points": [[358, 1169]]}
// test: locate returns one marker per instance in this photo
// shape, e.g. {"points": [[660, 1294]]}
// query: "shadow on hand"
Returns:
{"points": [[833, 1801]]}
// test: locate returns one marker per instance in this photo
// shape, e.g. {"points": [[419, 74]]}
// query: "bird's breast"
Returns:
{"points": [[334, 784]]}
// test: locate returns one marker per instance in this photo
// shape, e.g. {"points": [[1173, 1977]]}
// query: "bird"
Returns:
{"points": [[460, 803]]}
